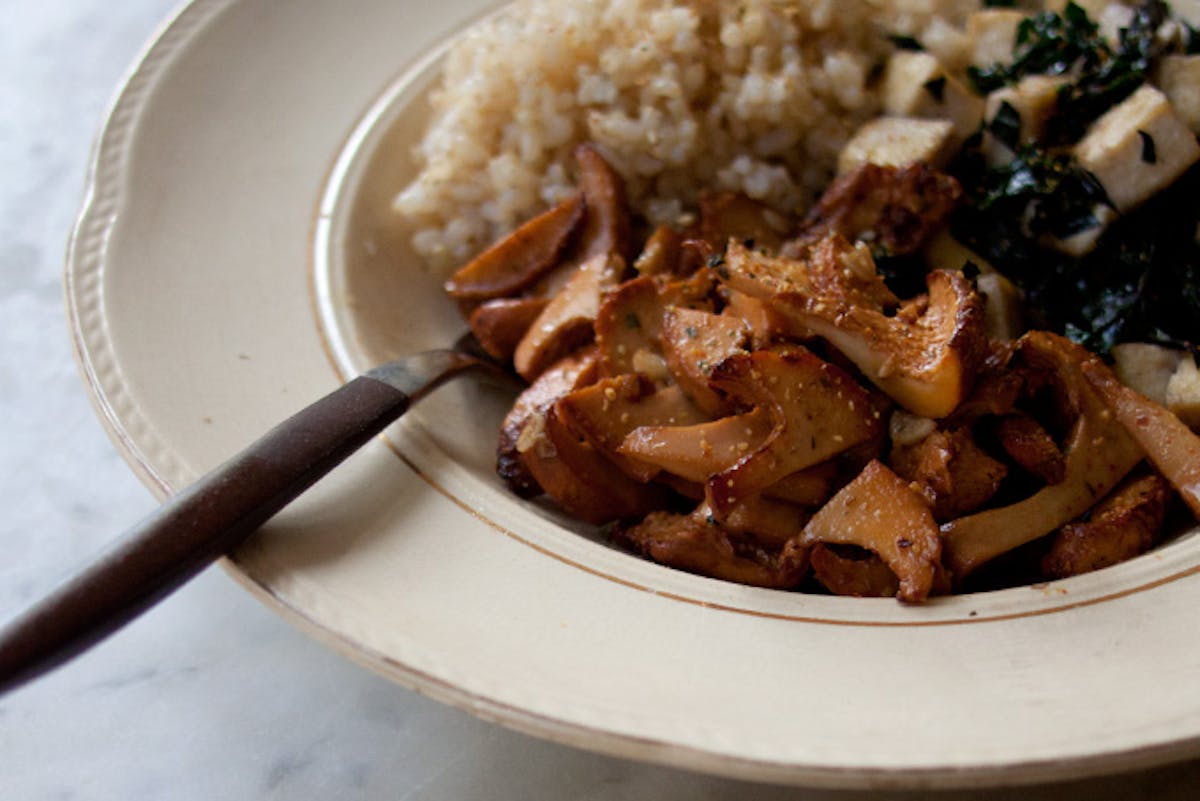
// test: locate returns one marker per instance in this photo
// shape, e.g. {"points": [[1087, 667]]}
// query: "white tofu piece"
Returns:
{"points": [[1146, 367], [896, 141], [915, 84], [1187, 10], [1002, 310], [992, 32], [1113, 148], [1183, 392], [1112, 19], [1179, 79], [944, 252], [1034, 98], [948, 43], [1084, 242]]}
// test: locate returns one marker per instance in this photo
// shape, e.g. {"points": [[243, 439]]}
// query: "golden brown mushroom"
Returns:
{"points": [[769, 522], [694, 343], [706, 548], [500, 324], [1170, 445], [816, 410], [566, 322], [1028, 444], [577, 476], [852, 571], [630, 319], [607, 226], [696, 452], [1099, 453], [808, 488], [924, 356], [607, 411], [570, 373], [878, 511], [728, 215], [1126, 523], [895, 209], [518, 260], [660, 254], [951, 471]]}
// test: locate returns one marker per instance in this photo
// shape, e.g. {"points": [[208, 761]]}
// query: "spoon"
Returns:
{"points": [[220, 510]]}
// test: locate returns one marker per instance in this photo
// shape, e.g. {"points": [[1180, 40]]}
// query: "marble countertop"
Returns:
{"points": [[210, 695]]}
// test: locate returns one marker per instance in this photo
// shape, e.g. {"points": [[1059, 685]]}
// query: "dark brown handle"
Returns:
{"points": [[195, 527]]}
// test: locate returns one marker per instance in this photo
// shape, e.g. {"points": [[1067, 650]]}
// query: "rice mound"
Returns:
{"points": [[756, 96]]}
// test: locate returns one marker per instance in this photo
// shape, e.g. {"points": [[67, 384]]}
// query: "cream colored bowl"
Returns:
{"points": [[235, 260]]}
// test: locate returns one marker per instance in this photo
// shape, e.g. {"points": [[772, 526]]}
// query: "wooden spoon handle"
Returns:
{"points": [[195, 527]]}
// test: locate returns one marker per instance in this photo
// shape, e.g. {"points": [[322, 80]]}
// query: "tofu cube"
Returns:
{"points": [[1146, 367], [992, 33], [915, 84], [1183, 392], [1003, 320], [1118, 146], [1179, 79], [1112, 19], [948, 43], [944, 252], [1084, 242], [1187, 10], [896, 141], [1034, 98]]}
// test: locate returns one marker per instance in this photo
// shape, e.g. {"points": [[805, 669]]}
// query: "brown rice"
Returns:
{"points": [[756, 96]]}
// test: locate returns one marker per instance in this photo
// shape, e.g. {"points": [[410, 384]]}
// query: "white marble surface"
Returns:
{"points": [[210, 695]]}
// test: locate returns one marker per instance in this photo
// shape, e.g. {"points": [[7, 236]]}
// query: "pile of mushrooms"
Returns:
{"points": [[744, 397]]}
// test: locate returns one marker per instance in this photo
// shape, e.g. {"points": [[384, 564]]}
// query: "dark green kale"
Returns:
{"points": [[1141, 283], [1191, 39], [1047, 193], [904, 42], [1149, 151], [1005, 125], [936, 88]]}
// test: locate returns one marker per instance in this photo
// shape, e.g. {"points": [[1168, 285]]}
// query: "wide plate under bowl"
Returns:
{"points": [[235, 259]]}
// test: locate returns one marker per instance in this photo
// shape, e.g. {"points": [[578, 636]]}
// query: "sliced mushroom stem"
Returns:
{"points": [[1099, 453], [1170, 445]]}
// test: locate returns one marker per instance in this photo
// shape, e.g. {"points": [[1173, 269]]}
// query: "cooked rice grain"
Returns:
{"points": [[756, 96]]}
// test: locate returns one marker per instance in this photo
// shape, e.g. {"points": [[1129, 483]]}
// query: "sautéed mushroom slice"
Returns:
{"points": [[1124, 525], [1098, 450], [924, 355], [857, 572], [578, 477], [570, 373], [501, 324], [880, 512], [606, 412], [518, 260], [894, 209], [705, 547], [816, 411], [951, 471]]}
